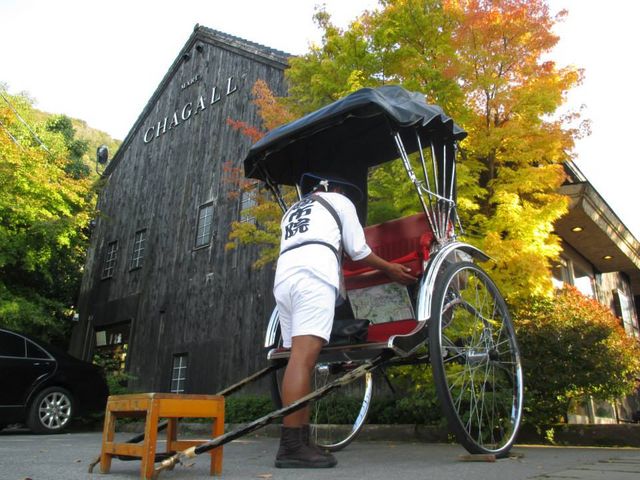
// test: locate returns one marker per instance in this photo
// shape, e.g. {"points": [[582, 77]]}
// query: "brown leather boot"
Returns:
{"points": [[293, 453]]}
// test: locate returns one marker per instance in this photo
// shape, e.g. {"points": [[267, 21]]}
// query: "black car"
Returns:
{"points": [[45, 387]]}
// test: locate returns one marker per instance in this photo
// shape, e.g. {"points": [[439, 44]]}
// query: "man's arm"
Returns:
{"points": [[395, 271]]}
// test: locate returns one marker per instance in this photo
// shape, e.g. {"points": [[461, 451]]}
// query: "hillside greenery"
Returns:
{"points": [[48, 188]]}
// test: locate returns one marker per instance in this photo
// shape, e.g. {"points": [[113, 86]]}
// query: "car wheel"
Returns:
{"points": [[51, 411]]}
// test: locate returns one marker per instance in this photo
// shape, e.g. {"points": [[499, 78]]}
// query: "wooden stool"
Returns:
{"points": [[153, 406]]}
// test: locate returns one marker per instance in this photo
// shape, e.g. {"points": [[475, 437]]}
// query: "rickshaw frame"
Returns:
{"points": [[276, 159]]}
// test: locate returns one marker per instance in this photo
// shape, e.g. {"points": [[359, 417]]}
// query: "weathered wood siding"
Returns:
{"points": [[207, 302]]}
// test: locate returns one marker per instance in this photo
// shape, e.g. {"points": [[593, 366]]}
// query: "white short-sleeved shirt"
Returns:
{"points": [[309, 220]]}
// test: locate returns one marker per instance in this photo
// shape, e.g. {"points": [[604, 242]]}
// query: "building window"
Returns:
{"points": [[583, 280], [247, 201], [110, 260], [179, 373], [112, 345], [624, 310], [205, 225], [560, 273], [139, 244], [574, 271]]}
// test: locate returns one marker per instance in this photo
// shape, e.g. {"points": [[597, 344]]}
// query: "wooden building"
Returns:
{"points": [[160, 292]]}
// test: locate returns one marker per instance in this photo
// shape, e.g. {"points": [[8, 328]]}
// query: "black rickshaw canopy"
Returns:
{"points": [[349, 135]]}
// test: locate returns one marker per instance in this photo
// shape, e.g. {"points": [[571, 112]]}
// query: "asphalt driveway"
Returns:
{"points": [[66, 457]]}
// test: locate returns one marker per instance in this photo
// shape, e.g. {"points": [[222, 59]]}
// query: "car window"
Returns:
{"points": [[12, 345], [34, 351]]}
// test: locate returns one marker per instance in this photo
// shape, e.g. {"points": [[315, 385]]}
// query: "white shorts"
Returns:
{"points": [[306, 306]]}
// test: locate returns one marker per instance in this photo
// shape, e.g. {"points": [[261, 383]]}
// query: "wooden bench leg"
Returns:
{"points": [[217, 429], [172, 434], [150, 440], [108, 434]]}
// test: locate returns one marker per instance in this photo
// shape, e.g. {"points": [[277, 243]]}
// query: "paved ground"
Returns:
{"points": [[66, 457]]}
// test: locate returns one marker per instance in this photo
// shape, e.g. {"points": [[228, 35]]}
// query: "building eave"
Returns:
{"points": [[603, 239]]}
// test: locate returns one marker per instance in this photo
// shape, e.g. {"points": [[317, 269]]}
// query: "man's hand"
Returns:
{"points": [[400, 273]]}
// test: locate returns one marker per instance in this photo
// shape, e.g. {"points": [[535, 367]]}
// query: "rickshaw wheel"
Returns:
{"points": [[475, 360], [337, 418]]}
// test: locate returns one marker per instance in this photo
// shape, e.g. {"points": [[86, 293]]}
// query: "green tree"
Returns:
{"points": [[413, 39], [45, 204], [76, 147], [342, 64], [515, 151], [485, 63]]}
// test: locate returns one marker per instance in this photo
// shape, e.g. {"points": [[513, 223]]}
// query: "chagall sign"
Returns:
{"points": [[189, 109]]}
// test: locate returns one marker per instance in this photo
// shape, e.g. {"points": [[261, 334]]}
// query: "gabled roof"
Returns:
{"points": [[222, 40]]}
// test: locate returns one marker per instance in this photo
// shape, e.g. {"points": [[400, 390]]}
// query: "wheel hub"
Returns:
{"points": [[476, 357], [54, 412]]}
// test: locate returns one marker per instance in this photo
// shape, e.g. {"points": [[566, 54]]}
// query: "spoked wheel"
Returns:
{"points": [[475, 360], [337, 418]]}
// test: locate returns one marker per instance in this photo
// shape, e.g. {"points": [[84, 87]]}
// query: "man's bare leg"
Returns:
{"points": [[297, 376], [295, 450]]}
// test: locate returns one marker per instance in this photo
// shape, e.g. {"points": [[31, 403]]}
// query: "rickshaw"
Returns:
{"points": [[454, 319]]}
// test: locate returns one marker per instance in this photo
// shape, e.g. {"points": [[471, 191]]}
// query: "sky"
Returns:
{"points": [[100, 61]]}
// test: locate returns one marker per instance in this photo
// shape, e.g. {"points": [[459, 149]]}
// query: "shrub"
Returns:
{"points": [[572, 347], [246, 408], [339, 410], [414, 401], [413, 409], [112, 363]]}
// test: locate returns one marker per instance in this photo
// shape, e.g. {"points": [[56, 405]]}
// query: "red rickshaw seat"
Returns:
{"points": [[405, 241]]}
